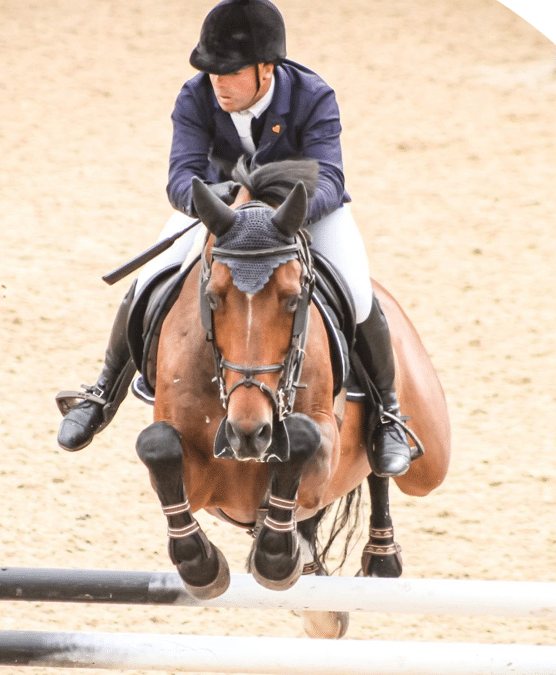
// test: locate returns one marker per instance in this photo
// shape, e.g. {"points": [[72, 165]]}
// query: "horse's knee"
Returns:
{"points": [[159, 445], [304, 435]]}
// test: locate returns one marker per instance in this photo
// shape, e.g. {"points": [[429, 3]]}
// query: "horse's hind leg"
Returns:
{"points": [[275, 560], [381, 555], [318, 624], [200, 564]]}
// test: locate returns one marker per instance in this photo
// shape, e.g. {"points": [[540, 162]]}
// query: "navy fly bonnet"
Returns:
{"points": [[253, 231]]}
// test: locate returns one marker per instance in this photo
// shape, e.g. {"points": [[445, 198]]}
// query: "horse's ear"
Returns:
{"points": [[216, 216], [289, 218]]}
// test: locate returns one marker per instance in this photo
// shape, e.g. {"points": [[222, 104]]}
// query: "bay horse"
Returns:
{"points": [[245, 422]]}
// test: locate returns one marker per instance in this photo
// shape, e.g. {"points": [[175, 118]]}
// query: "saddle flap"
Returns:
{"points": [[150, 308], [335, 303], [336, 294]]}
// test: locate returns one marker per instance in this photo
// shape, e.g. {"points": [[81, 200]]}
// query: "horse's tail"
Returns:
{"points": [[345, 520], [272, 183]]}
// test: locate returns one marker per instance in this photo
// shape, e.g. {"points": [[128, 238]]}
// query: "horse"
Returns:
{"points": [[249, 421]]}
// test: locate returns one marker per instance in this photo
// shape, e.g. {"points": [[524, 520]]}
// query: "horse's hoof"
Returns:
{"points": [[325, 625], [385, 566], [215, 588], [275, 584]]}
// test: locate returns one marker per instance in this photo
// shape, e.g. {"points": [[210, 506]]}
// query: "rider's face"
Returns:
{"points": [[238, 91]]}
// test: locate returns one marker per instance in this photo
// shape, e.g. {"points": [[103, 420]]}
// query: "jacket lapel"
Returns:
{"points": [[275, 124], [225, 128], [274, 127]]}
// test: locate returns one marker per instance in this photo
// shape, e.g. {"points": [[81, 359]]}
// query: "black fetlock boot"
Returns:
{"points": [[388, 450], [89, 411]]}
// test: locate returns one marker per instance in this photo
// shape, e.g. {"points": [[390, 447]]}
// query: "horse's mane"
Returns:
{"points": [[272, 183]]}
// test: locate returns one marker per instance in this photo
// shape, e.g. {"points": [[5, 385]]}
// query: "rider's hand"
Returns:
{"points": [[226, 191]]}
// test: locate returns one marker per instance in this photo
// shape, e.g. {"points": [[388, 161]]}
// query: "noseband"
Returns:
{"points": [[284, 397]]}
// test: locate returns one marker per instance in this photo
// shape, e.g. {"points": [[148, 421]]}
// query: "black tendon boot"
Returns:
{"points": [[88, 412], [388, 450]]}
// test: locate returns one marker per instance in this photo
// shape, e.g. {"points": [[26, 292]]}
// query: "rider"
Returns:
{"points": [[248, 99]]}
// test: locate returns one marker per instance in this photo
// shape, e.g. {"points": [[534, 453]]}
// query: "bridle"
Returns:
{"points": [[284, 397]]}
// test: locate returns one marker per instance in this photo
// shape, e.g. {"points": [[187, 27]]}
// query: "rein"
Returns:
{"points": [[284, 397]]}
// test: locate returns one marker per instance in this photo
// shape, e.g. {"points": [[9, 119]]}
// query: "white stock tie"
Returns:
{"points": [[242, 122]]}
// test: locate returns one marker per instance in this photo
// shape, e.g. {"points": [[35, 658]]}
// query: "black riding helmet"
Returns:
{"points": [[240, 33]]}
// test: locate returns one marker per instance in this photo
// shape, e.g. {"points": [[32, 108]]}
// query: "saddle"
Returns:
{"points": [[331, 296], [147, 313]]}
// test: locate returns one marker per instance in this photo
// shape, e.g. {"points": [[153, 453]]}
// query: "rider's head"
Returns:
{"points": [[241, 42]]}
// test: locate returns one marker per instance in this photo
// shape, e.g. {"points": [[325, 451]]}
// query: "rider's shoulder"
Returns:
{"points": [[198, 83], [302, 76], [196, 91]]}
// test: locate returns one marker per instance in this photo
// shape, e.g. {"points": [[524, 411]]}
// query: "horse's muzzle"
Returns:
{"points": [[249, 442]]}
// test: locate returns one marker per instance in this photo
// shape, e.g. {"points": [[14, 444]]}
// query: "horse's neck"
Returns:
{"points": [[243, 196]]}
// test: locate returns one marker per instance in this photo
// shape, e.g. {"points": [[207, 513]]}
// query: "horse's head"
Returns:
{"points": [[255, 289]]}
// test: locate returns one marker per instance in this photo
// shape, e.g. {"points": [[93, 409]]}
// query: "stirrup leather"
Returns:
{"points": [[66, 400]]}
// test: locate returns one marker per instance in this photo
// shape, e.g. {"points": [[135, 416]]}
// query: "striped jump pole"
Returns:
{"points": [[400, 596], [279, 656]]}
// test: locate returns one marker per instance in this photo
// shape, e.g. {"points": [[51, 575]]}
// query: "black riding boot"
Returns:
{"points": [[388, 450], [88, 412]]}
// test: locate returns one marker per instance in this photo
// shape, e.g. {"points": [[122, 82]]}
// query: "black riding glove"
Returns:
{"points": [[226, 191]]}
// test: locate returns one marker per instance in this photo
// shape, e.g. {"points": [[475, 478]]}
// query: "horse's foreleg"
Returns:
{"points": [[276, 559], [381, 555], [200, 564], [329, 625]]}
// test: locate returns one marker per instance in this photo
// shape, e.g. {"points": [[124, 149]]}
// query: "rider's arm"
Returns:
{"points": [[190, 149], [320, 140]]}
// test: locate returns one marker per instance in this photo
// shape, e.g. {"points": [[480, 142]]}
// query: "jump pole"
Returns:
{"points": [[400, 596], [273, 656]]}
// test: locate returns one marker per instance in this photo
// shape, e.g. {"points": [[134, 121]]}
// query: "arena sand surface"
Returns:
{"points": [[449, 144]]}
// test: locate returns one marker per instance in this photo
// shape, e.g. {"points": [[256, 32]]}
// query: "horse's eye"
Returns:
{"points": [[291, 303]]}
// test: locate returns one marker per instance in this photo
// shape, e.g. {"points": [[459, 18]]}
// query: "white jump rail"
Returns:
{"points": [[272, 656], [283, 656], [400, 596]]}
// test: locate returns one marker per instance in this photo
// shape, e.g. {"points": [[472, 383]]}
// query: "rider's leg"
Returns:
{"points": [[85, 419], [388, 450], [337, 238], [88, 413]]}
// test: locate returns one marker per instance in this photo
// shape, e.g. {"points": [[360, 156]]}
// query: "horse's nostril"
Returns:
{"points": [[264, 437], [249, 443], [233, 438]]}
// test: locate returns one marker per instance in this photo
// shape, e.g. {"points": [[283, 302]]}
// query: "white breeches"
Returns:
{"points": [[335, 236]]}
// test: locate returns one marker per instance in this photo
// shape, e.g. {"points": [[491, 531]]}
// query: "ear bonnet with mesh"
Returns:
{"points": [[253, 230]]}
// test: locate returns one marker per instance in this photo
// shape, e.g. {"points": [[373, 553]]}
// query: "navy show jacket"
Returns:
{"points": [[303, 119]]}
